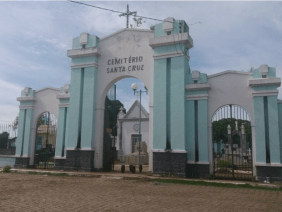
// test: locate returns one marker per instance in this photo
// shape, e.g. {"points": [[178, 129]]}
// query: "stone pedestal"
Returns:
{"points": [[78, 160], [22, 162], [167, 162], [59, 164], [274, 173], [197, 170]]}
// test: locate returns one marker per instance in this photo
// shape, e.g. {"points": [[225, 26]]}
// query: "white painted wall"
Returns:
{"points": [[122, 44], [45, 101], [127, 131], [230, 87]]}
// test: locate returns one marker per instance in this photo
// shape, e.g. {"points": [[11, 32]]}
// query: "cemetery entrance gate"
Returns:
{"points": [[232, 143]]}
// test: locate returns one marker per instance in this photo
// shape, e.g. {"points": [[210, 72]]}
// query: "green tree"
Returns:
{"points": [[113, 107], [220, 129]]}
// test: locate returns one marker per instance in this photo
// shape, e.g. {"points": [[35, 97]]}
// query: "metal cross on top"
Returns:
{"points": [[127, 14]]}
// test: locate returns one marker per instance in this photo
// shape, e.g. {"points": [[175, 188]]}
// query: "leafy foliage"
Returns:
{"points": [[6, 169], [223, 164], [220, 129], [113, 107]]}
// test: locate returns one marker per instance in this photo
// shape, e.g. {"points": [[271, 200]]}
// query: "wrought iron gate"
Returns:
{"points": [[45, 143], [232, 143]]}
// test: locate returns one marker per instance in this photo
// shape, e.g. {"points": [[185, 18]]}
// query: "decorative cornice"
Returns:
{"points": [[230, 72], [28, 107], [81, 149], [192, 87], [196, 97], [265, 93], [198, 162], [132, 119], [172, 40], [84, 52], [265, 81], [58, 158], [127, 29], [64, 104], [63, 96], [268, 164], [84, 65], [170, 54], [47, 88], [170, 151], [26, 99]]}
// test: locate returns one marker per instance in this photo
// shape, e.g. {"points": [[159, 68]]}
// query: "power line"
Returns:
{"points": [[95, 6], [102, 8]]}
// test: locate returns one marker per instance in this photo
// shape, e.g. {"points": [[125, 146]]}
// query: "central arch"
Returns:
{"points": [[100, 116], [232, 143]]}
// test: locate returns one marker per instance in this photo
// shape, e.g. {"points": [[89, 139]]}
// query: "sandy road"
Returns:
{"points": [[26, 192]]}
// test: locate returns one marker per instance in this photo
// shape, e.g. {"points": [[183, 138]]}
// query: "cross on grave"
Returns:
{"points": [[127, 14]]}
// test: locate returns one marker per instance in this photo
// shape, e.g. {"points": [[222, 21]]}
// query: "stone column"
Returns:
{"points": [[60, 154], [171, 68], [267, 142], [197, 142], [81, 116], [24, 127]]}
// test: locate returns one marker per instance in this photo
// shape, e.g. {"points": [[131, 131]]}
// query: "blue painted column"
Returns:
{"points": [[280, 126], [74, 136], [24, 127], [177, 102], [190, 130], [267, 123], [160, 101], [81, 115], [88, 108], [203, 137], [171, 68], [197, 142], [62, 122], [264, 84], [259, 129], [274, 143], [197, 128]]}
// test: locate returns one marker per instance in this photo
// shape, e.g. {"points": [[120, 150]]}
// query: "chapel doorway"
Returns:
{"points": [[126, 121], [232, 143]]}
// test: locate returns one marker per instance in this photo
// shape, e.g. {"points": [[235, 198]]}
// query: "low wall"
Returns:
{"points": [[8, 151], [7, 160]]}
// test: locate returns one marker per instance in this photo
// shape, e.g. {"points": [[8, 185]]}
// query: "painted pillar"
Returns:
{"points": [[160, 101], [83, 87], [197, 142], [62, 122], [267, 123], [177, 102], [80, 124], [88, 108], [171, 68], [280, 126], [24, 127]]}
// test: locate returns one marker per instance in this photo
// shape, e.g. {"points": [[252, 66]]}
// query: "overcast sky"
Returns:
{"points": [[35, 37]]}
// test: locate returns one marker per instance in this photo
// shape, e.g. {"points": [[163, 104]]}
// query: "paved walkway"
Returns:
{"points": [[124, 192], [144, 174]]}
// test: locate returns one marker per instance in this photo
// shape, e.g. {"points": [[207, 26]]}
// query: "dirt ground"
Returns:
{"points": [[29, 192]]}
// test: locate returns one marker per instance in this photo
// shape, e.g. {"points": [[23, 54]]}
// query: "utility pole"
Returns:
{"points": [[127, 14]]}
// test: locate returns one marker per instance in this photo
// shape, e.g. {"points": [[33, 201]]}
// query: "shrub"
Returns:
{"points": [[223, 164], [6, 169]]}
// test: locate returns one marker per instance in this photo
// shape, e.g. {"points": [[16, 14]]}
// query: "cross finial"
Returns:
{"points": [[127, 14]]}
